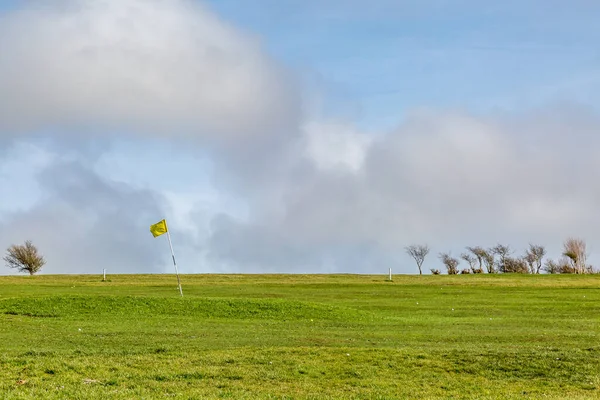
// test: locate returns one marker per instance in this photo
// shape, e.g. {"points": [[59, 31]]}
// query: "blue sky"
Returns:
{"points": [[380, 58], [267, 129]]}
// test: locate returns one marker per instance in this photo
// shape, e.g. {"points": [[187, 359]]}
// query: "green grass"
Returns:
{"points": [[300, 337]]}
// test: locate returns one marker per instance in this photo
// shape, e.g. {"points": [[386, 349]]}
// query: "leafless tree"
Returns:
{"points": [[530, 261], [479, 253], [489, 260], [534, 257], [503, 252], [450, 262], [418, 252], [575, 251], [24, 258], [472, 261]]}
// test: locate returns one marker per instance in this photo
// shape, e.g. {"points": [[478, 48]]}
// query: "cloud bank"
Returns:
{"points": [[447, 179]]}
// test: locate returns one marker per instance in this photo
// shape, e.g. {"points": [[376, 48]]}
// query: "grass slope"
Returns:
{"points": [[300, 337]]}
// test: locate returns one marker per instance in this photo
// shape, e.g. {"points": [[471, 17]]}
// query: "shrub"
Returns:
{"points": [[551, 267], [515, 266], [450, 262]]}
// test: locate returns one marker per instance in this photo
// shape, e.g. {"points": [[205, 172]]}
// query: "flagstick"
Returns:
{"points": [[174, 263]]}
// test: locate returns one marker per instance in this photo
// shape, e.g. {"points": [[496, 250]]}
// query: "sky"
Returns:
{"points": [[296, 136]]}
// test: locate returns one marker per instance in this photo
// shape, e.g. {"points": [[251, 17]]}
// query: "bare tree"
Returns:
{"points": [[503, 252], [418, 252], [472, 261], [575, 251], [490, 261], [534, 257], [530, 261], [450, 262], [24, 258], [479, 253]]}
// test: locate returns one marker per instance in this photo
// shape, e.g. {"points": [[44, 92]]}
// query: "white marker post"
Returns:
{"points": [[175, 264], [390, 274], [104, 274]]}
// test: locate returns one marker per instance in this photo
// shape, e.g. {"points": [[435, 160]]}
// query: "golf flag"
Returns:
{"points": [[159, 228]]}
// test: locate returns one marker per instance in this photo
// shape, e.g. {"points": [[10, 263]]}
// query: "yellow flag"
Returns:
{"points": [[159, 228]]}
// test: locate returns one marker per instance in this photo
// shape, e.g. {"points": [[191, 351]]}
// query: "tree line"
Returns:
{"points": [[501, 259]]}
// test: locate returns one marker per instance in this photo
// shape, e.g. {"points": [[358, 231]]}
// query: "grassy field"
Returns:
{"points": [[300, 337]]}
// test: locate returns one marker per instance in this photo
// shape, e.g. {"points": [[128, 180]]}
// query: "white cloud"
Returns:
{"points": [[336, 146], [162, 67], [448, 179]]}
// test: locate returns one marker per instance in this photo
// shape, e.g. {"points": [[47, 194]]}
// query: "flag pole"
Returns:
{"points": [[174, 263]]}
